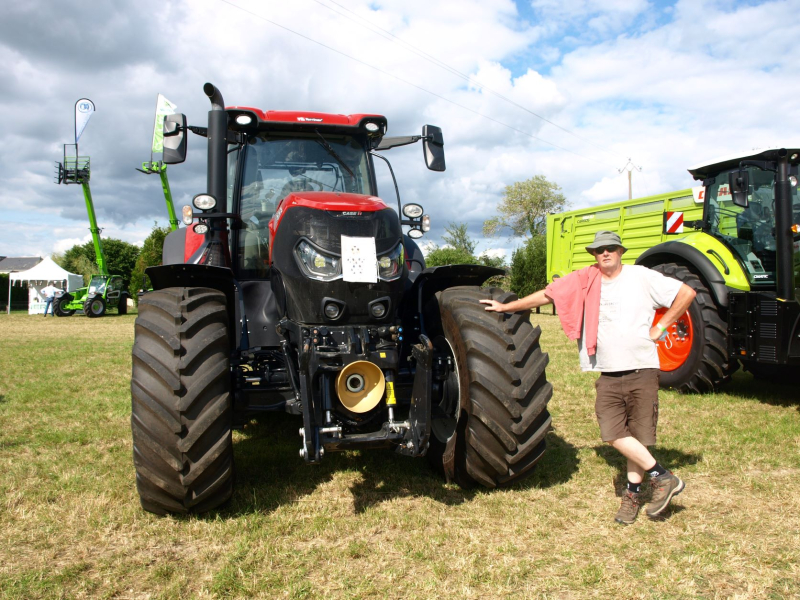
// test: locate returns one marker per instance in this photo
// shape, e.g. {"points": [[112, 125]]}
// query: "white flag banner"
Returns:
{"points": [[84, 109], [163, 107], [359, 259]]}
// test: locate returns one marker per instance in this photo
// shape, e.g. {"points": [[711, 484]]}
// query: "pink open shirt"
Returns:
{"points": [[577, 295]]}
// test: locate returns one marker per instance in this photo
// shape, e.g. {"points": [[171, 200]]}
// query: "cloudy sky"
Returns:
{"points": [[569, 89]]}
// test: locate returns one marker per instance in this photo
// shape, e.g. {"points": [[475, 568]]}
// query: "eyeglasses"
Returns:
{"points": [[603, 249]]}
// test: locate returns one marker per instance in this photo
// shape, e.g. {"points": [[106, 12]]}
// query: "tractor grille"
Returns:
{"points": [[769, 330], [768, 354], [769, 308]]}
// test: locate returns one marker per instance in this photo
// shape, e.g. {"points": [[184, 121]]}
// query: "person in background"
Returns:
{"points": [[610, 308], [49, 296]]}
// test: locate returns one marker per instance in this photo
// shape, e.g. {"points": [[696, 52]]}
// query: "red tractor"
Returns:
{"points": [[293, 288]]}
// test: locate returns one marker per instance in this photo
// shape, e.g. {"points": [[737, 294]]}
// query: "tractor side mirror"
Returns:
{"points": [[433, 147], [174, 139], [739, 184]]}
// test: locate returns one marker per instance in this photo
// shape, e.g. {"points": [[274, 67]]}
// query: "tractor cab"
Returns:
{"points": [[741, 210]]}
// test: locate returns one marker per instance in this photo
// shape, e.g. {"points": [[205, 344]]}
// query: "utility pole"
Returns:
{"points": [[629, 167]]}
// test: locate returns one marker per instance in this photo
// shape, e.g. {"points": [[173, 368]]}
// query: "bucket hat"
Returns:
{"points": [[605, 238]]}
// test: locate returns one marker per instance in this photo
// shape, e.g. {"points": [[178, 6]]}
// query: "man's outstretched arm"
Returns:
{"points": [[678, 307], [533, 300]]}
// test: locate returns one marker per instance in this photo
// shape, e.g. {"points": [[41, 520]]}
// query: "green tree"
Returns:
{"points": [[120, 259], [525, 206], [460, 250], [529, 266], [458, 238], [149, 256]]}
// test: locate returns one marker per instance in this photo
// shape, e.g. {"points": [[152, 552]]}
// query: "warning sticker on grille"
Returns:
{"points": [[359, 259]]}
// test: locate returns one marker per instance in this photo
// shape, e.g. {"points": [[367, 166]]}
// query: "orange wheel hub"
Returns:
{"points": [[676, 348]]}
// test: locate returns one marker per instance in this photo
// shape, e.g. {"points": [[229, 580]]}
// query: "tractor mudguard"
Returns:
{"points": [[435, 279], [667, 252]]}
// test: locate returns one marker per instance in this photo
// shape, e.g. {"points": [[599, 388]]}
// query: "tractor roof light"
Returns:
{"points": [[187, 215], [204, 201], [244, 119], [426, 223]]}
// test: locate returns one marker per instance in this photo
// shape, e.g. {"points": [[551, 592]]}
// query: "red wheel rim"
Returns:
{"points": [[676, 348]]}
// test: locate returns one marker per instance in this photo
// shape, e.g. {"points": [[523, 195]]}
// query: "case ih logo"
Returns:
{"points": [[310, 119], [351, 213], [673, 222]]}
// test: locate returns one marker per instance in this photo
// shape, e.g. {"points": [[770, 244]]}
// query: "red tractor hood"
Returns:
{"points": [[332, 201]]}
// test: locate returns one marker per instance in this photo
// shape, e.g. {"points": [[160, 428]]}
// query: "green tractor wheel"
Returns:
{"points": [[59, 305], [96, 307], [491, 414]]}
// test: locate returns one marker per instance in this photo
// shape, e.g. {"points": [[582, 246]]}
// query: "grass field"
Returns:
{"points": [[373, 524]]}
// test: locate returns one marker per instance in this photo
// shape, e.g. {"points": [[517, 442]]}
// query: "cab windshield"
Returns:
{"points": [[97, 285], [749, 231], [276, 165]]}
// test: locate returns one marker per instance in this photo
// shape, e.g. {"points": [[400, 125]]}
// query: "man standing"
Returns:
{"points": [[49, 296], [610, 307]]}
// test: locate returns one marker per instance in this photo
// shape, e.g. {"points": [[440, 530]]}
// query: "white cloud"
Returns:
{"points": [[668, 88]]}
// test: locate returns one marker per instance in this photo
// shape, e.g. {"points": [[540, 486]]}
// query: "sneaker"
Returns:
{"points": [[664, 488], [628, 509]]}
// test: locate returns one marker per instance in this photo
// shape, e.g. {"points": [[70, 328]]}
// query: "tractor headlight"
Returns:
{"points": [[390, 266], [316, 264]]}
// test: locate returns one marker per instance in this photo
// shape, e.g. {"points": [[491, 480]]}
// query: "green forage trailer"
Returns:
{"points": [[735, 240]]}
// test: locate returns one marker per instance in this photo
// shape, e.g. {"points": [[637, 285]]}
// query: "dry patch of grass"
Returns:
{"points": [[373, 524]]}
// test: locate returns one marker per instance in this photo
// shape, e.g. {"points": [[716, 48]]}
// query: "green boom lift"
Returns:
{"points": [[104, 290], [150, 168]]}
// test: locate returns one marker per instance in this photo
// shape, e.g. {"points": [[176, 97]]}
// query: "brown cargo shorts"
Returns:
{"points": [[627, 405]]}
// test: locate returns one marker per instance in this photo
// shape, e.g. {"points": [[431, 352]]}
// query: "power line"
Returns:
{"points": [[442, 65], [407, 82]]}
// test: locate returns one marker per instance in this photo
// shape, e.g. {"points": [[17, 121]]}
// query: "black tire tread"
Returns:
{"points": [[715, 366], [181, 404], [507, 387]]}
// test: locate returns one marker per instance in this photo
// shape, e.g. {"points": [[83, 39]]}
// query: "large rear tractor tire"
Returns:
{"points": [[181, 401], [491, 417], [694, 357]]}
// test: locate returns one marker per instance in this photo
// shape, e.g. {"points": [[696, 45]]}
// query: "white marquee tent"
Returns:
{"points": [[40, 276]]}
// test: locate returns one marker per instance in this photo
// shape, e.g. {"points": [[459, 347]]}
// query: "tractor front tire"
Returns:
{"points": [[181, 401], [705, 365], [58, 306], [96, 307], [491, 423]]}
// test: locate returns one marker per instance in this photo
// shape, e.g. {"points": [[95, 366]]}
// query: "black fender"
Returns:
{"points": [[436, 279], [676, 251]]}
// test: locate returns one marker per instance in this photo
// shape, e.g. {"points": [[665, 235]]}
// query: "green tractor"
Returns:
{"points": [[104, 290], [735, 240]]}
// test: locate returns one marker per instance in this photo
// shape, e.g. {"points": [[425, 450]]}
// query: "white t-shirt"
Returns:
{"points": [[628, 306]]}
